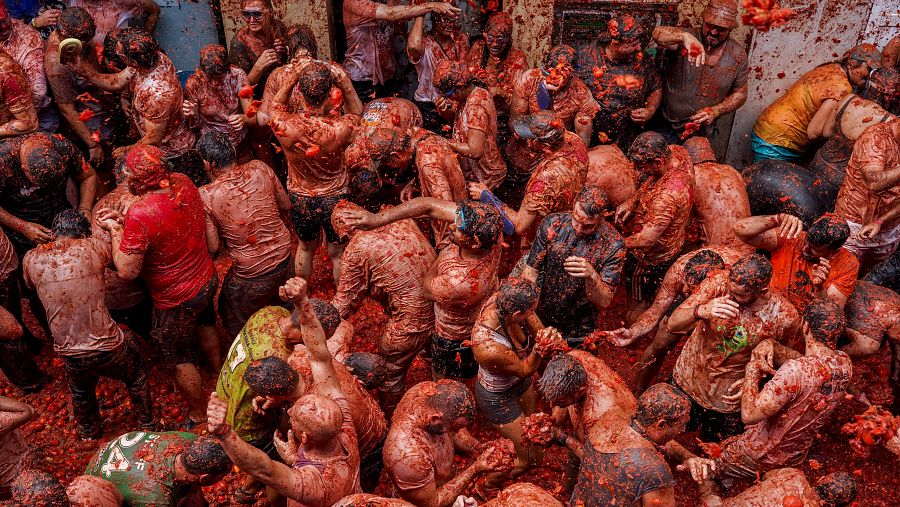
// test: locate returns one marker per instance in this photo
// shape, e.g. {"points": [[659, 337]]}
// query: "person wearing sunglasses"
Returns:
{"points": [[261, 45]]}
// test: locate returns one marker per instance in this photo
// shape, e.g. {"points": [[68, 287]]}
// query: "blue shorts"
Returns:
{"points": [[764, 150]]}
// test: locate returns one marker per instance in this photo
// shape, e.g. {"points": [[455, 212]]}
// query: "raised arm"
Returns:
{"points": [[415, 47], [321, 360], [404, 12], [151, 9], [436, 209], [671, 37], [763, 231]]}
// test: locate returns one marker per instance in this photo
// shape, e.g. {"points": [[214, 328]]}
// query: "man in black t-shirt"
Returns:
{"points": [[576, 260]]}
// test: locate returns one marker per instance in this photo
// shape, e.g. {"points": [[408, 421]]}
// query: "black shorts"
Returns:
{"points": [[267, 445], [311, 215], [502, 408], [714, 426], [173, 328], [370, 466], [451, 358], [241, 297], [642, 279]]}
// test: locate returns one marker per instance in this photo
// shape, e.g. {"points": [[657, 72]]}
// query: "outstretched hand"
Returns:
{"points": [[294, 290]]}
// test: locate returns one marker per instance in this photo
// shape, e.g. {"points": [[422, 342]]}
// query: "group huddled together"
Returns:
{"points": [[516, 225]]}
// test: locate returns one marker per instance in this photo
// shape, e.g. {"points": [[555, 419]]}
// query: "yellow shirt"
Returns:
{"points": [[784, 122]]}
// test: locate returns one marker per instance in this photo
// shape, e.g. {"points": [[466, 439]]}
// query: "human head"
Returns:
{"points": [[257, 14], [517, 299], [699, 149], [719, 19], [369, 369], [557, 69], [387, 147], [882, 87], [147, 169], [825, 237], [339, 218], [138, 49], [564, 381], [44, 165], [748, 278], [315, 419], [302, 40], [698, 267], [477, 226], [498, 33], [445, 25], [90, 491], [214, 61], [649, 153], [623, 37], [663, 412], [216, 150], [271, 377], [860, 61], [204, 461], [111, 56], [315, 83], [836, 489], [540, 130], [452, 407], [36, 488], [71, 223], [5, 23], [824, 321], [451, 79], [587, 213], [364, 185], [329, 316], [76, 23]]}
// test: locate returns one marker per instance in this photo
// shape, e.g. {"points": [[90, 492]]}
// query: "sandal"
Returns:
{"points": [[244, 497]]}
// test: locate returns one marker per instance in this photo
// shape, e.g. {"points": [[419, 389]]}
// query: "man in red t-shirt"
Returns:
{"points": [[163, 237], [805, 264]]}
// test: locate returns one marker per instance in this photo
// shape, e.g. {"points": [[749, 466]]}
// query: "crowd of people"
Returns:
{"points": [[499, 215]]}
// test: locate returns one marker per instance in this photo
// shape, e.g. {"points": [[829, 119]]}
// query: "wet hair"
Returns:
{"points": [[700, 264], [71, 223], [110, 48], [826, 320], [206, 456], [139, 47], [301, 37], [828, 231], [481, 221], [562, 378], [516, 296], [453, 399], [266, 3], [315, 83], [837, 489], [271, 376], [661, 402], [36, 488], [754, 272], [881, 88], [369, 369], [500, 23], [364, 186], [593, 200], [215, 147], [328, 315], [557, 53], [214, 60], [77, 23], [648, 146], [451, 74], [45, 165]]}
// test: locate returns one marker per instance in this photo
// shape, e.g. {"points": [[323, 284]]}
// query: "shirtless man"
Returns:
{"points": [[162, 237], [392, 262], [24, 44], [720, 195], [784, 416], [17, 113], [555, 178], [37, 488], [16, 455], [657, 215], [610, 169], [313, 141], [870, 191], [627, 469], [806, 264], [463, 276], [68, 275], [425, 433], [507, 359], [727, 316], [243, 206], [679, 283], [321, 446], [582, 389], [168, 468], [576, 260], [788, 486], [873, 313]]}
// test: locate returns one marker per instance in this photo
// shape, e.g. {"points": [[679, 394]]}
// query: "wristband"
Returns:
{"points": [[489, 198], [696, 314], [33, 25]]}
